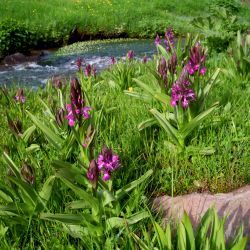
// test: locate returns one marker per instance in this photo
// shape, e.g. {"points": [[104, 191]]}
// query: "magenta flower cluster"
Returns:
{"points": [[20, 97], [84, 111], [196, 60], [181, 93], [112, 59], [169, 39], [90, 70], [165, 67], [107, 163], [76, 108], [130, 55], [79, 62]]}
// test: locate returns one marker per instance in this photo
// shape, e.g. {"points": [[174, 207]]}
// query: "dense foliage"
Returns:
{"points": [[45, 24]]}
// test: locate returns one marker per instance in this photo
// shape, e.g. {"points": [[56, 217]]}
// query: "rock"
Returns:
{"points": [[234, 205], [15, 59]]}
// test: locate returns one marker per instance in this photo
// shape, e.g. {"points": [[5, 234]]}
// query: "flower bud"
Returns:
{"points": [[27, 172], [93, 174]]}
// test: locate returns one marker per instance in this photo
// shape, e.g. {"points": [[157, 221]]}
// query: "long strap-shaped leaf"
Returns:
{"points": [[53, 138], [119, 193], [172, 132], [188, 128], [89, 199]]}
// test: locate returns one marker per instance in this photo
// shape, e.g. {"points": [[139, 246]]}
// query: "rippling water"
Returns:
{"points": [[37, 73]]}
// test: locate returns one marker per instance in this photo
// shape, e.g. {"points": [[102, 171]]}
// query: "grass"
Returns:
{"points": [[129, 17], [116, 123]]}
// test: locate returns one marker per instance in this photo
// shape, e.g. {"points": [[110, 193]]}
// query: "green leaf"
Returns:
{"points": [[181, 237], [145, 87], [28, 132], [139, 96], [240, 245], [195, 122], [12, 165], [118, 222], [29, 194], [32, 148], [124, 190], [52, 137], [139, 242], [79, 204], [172, 132], [89, 199], [5, 197], [189, 232], [147, 123], [203, 228], [161, 236], [46, 191], [70, 172], [74, 219], [163, 51]]}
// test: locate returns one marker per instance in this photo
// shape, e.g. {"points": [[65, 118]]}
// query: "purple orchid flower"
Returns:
{"points": [[107, 162], [197, 59], [183, 94], [169, 39], [157, 40], [130, 55], [20, 97]]}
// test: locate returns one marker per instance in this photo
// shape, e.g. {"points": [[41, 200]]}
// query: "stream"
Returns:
{"points": [[35, 74]]}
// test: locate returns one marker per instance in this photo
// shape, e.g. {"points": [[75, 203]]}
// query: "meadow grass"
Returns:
{"points": [[108, 17], [226, 131]]}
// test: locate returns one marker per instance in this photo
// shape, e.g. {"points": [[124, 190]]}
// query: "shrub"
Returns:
{"points": [[14, 36]]}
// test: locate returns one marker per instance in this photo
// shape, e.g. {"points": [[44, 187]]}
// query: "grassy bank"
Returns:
{"points": [[59, 182], [53, 23]]}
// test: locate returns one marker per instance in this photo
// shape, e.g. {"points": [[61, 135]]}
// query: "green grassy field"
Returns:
{"points": [[52, 184], [109, 17], [116, 117]]}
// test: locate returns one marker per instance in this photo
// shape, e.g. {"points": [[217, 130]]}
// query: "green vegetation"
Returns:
{"points": [[53, 23], [163, 132], [82, 158]]}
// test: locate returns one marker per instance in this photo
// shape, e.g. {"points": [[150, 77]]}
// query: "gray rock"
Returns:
{"points": [[14, 59], [234, 205]]}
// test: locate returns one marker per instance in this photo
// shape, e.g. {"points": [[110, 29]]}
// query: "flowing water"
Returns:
{"points": [[37, 73]]}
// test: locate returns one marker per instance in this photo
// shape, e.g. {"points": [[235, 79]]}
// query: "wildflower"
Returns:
{"points": [[93, 173], [169, 39], [76, 109], [107, 162], [20, 97], [58, 82], [130, 89], [197, 59], [28, 173], [90, 70], [163, 69], [88, 137], [145, 59], [79, 63], [94, 71], [113, 61], [172, 64], [15, 126], [157, 40], [130, 54], [183, 94], [87, 70], [60, 114], [203, 71]]}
